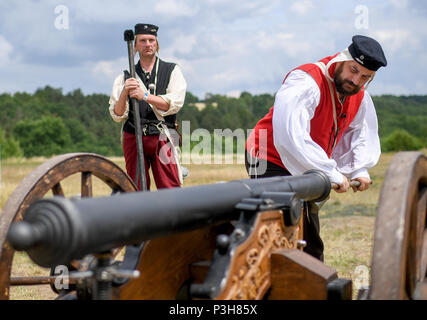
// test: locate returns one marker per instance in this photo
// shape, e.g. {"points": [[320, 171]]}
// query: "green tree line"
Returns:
{"points": [[49, 122]]}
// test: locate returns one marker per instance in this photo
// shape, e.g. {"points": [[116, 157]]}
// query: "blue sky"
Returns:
{"points": [[223, 47]]}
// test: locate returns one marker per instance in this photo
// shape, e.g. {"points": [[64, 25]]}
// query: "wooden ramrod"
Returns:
{"points": [[57, 230]]}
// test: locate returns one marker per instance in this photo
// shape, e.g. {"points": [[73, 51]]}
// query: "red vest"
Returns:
{"points": [[322, 128]]}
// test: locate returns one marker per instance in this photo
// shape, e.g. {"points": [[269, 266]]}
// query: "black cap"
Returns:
{"points": [[144, 28], [367, 52]]}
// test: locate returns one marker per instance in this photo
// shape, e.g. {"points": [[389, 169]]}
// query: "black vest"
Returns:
{"points": [[146, 113]]}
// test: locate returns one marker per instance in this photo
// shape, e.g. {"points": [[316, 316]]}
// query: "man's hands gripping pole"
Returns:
{"points": [[357, 184]]}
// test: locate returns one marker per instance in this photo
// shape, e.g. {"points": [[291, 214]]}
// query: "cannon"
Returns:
{"points": [[235, 240], [57, 231], [61, 230]]}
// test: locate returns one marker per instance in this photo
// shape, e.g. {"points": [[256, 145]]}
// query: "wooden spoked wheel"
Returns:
{"points": [[49, 177], [399, 258]]}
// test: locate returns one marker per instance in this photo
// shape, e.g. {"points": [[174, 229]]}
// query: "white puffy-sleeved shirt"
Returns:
{"points": [[175, 95], [357, 151]]}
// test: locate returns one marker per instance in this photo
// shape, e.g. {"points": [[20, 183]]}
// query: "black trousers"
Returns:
{"points": [[311, 223]]}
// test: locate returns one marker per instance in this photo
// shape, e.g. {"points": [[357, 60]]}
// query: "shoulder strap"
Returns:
{"points": [[322, 67]]}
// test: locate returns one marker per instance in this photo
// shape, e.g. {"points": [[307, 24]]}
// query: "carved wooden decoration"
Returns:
{"points": [[249, 276]]}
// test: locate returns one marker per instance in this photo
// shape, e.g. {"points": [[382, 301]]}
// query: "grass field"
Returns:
{"points": [[347, 220]]}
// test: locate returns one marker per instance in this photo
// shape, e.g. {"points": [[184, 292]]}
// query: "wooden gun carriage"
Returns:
{"points": [[235, 240]]}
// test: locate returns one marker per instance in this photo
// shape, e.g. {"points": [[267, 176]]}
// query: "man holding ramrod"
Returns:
{"points": [[159, 88]]}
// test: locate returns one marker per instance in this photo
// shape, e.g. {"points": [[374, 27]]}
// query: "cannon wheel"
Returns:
{"points": [[399, 257], [47, 177]]}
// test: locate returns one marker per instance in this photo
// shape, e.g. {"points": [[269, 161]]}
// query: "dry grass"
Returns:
{"points": [[347, 220], [22, 266]]}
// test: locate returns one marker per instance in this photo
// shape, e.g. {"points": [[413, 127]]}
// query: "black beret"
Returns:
{"points": [[367, 52], [143, 28]]}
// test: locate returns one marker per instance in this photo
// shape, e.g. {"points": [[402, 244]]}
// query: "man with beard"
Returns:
{"points": [[157, 106], [322, 119]]}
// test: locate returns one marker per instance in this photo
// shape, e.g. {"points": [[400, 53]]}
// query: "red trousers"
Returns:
{"points": [[157, 155]]}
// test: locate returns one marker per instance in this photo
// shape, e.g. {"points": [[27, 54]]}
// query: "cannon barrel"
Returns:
{"points": [[58, 230]]}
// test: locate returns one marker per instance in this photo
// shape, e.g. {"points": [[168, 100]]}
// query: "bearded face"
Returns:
{"points": [[343, 85], [350, 77]]}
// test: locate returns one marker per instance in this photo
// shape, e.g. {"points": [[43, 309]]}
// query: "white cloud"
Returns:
{"points": [[395, 40], [174, 8], [400, 4], [183, 44], [222, 46], [110, 69], [302, 7], [5, 50], [268, 41]]}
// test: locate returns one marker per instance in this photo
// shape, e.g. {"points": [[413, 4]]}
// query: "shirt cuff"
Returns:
{"points": [[116, 117], [336, 177], [173, 108]]}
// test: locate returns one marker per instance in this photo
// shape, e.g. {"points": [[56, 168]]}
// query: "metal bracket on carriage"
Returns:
{"points": [[288, 202], [95, 278]]}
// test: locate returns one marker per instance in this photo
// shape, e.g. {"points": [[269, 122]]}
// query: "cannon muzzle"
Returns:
{"points": [[58, 230]]}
